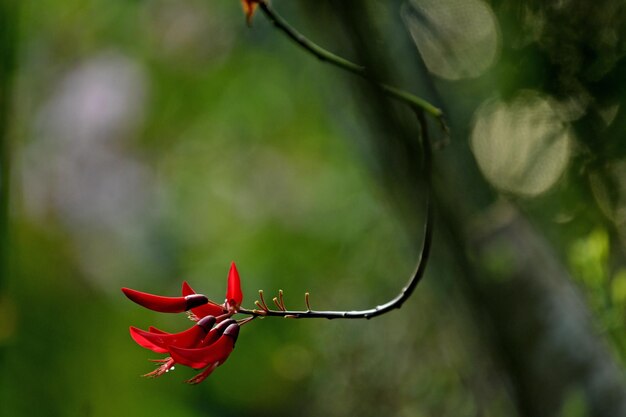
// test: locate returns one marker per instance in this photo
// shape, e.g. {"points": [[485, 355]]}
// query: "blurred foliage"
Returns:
{"points": [[157, 140]]}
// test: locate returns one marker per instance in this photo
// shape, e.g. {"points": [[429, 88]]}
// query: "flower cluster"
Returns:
{"points": [[207, 344]]}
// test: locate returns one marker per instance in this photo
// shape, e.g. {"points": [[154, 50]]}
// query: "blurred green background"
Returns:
{"points": [[147, 142]]}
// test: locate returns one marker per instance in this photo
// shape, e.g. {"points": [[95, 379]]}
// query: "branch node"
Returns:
{"points": [[261, 307]]}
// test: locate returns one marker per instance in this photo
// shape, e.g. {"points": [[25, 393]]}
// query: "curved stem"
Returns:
{"points": [[408, 289], [327, 56], [392, 304]]}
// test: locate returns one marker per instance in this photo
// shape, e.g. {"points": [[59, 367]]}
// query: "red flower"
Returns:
{"points": [[204, 345]]}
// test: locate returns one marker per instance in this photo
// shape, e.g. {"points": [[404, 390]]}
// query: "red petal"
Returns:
{"points": [[209, 309], [187, 290], [165, 304], [160, 343], [202, 357], [155, 330], [137, 336], [234, 296]]}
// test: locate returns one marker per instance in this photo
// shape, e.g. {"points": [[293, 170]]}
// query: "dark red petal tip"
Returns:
{"points": [[207, 309], [232, 331], [224, 325], [195, 300], [207, 322], [216, 332]]}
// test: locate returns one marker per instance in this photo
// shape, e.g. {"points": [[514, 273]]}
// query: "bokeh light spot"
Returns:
{"points": [[456, 38], [522, 147]]}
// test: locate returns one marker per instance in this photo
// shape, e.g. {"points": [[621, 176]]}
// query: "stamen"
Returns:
{"points": [[275, 300], [167, 364], [281, 299], [264, 307]]}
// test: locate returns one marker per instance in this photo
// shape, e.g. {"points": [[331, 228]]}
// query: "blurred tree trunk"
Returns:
{"points": [[541, 326], [8, 39], [532, 318]]}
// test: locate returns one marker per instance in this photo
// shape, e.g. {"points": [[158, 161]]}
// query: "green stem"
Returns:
{"points": [[327, 56]]}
